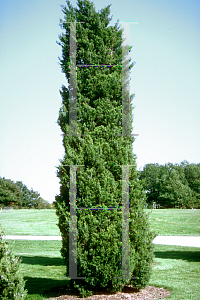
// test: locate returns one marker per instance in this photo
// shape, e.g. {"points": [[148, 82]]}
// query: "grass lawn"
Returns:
{"points": [[30, 222], [43, 222], [175, 221], [177, 267]]}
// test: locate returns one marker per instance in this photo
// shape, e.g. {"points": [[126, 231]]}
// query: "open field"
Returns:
{"points": [[43, 222], [177, 268], [175, 221], [30, 222]]}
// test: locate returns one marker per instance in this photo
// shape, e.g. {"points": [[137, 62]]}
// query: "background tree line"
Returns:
{"points": [[17, 195], [172, 185]]}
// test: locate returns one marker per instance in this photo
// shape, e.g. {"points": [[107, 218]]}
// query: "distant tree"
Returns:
{"points": [[167, 185], [9, 193], [53, 205], [31, 199], [36, 201], [26, 195], [172, 191], [180, 168], [43, 204], [192, 175], [149, 179], [34, 198]]}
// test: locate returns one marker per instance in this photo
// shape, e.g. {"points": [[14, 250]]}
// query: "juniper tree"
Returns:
{"points": [[100, 150], [12, 283]]}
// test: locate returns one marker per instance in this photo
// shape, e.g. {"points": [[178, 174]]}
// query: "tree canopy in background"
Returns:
{"points": [[17, 195], [9, 193], [172, 185]]}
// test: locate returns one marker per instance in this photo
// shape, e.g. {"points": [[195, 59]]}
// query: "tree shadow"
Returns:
{"points": [[42, 260], [48, 288], [192, 256]]}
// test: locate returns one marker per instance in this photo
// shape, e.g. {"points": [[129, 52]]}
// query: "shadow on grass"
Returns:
{"points": [[47, 287], [40, 288], [192, 256], [42, 260]]}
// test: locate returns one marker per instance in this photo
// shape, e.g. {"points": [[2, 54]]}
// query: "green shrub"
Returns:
{"points": [[11, 280]]}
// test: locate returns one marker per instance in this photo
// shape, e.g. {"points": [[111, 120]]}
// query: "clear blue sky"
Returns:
{"points": [[165, 80]]}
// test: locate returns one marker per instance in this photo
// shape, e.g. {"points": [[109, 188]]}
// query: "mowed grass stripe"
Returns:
{"points": [[44, 222], [30, 222]]}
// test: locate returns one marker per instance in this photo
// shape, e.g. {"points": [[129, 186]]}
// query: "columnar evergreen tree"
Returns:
{"points": [[99, 180]]}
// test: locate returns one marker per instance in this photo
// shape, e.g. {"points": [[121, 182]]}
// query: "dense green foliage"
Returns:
{"points": [[17, 195], [11, 280], [9, 192], [99, 181], [172, 185]]}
